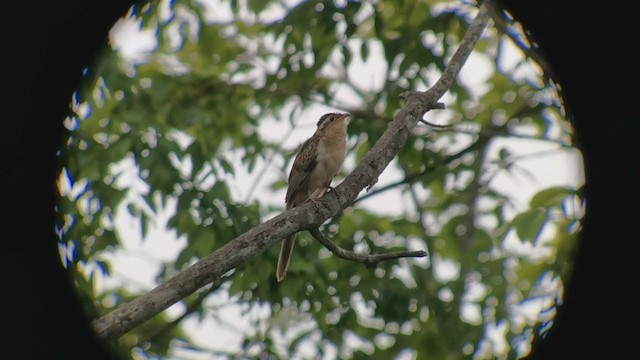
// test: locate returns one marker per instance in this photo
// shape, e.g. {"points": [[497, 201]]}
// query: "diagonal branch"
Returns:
{"points": [[191, 308], [303, 217], [366, 259]]}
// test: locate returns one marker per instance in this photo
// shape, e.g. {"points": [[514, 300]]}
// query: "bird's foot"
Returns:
{"points": [[315, 202], [332, 189]]}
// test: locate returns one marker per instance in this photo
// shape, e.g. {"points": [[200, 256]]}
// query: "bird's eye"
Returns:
{"points": [[326, 119]]}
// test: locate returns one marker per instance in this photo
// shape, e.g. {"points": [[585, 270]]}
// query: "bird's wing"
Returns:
{"points": [[303, 165]]}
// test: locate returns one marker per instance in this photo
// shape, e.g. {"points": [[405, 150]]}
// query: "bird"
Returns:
{"points": [[318, 161]]}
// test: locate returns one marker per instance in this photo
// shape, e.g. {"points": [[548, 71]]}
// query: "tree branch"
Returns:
{"points": [[191, 308], [438, 126], [303, 217], [502, 132], [367, 260]]}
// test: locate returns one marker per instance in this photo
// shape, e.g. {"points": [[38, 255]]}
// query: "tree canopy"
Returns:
{"points": [[196, 137]]}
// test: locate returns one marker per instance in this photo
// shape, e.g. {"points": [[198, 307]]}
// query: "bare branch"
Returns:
{"points": [[457, 60], [191, 308], [438, 126], [367, 260], [439, 106], [303, 217], [502, 132]]}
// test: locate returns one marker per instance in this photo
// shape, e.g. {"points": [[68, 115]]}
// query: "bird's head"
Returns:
{"points": [[327, 120]]}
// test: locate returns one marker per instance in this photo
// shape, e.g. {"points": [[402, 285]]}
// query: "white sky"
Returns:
{"points": [[136, 265]]}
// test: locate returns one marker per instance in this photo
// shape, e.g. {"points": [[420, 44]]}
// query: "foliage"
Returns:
{"points": [[187, 120]]}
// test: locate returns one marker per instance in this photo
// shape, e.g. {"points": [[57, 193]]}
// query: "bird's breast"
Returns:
{"points": [[331, 153]]}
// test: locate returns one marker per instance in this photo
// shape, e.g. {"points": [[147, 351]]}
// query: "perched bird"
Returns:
{"points": [[317, 162]]}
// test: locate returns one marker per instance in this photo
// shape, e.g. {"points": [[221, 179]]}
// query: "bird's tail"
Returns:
{"points": [[285, 255]]}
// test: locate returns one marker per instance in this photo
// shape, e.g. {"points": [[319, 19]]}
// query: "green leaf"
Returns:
{"points": [[226, 166], [528, 224], [203, 241], [362, 150], [120, 148], [551, 197], [279, 184]]}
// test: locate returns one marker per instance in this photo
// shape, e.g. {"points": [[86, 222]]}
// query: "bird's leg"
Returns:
{"points": [[315, 202], [316, 194]]}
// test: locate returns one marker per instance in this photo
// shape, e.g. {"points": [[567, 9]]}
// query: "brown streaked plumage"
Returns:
{"points": [[316, 164]]}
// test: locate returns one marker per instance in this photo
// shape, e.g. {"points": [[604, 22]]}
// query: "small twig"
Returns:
{"points": [[438, 105], [368, 260], [436, 125]]}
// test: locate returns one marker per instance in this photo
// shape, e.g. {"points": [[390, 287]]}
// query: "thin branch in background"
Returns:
{"points": [[218, 354], [243, 353], [410, 178], [368, 260], [422, 215], [510, 162], [474, 189], [541, 153], [364, 95], [491, 132], [391, 186], [370, 115], [510, 167]]}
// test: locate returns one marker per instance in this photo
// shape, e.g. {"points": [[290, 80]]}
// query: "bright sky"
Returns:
{"points": [[137, 264]]}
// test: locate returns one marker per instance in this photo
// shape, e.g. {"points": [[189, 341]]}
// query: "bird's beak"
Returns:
{"points": [[344, 118]]}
